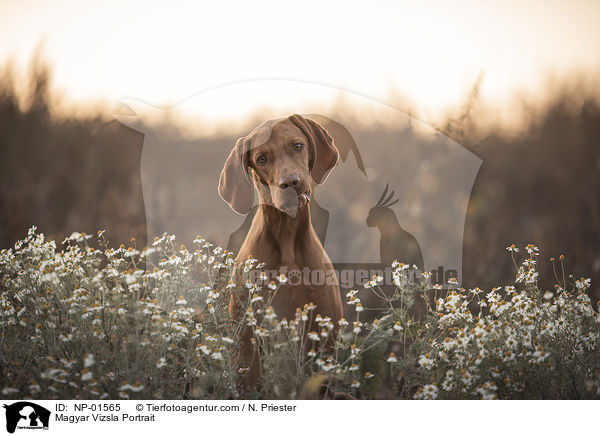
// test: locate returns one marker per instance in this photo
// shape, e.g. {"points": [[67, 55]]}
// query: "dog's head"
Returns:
{"points": [[279, 158]]}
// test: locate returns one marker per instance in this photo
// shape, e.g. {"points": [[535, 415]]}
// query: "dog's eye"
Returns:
{"points": [[298, 146], [261, 159]]}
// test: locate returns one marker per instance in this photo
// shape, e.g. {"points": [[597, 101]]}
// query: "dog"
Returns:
{"points": [[281, 160]]}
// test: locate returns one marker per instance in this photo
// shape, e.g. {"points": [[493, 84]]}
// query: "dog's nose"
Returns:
{"points": [[291, 180]]}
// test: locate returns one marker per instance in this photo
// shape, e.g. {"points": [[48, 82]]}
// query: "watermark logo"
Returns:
{"points": [[352, 277], [25, 415], [399, 190]]}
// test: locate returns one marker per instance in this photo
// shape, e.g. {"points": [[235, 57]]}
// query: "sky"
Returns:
{"points": [[429, 52]]}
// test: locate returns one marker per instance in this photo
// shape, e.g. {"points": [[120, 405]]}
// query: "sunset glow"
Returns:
{"points": [[429, 53]]}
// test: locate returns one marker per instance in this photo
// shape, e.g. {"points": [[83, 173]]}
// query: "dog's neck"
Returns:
{"points": [[286, 231]]}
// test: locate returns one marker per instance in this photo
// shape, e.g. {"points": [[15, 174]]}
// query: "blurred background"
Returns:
{"points": [[516, 83]]}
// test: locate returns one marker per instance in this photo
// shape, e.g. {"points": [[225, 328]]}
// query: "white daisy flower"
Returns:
{"points": [[313, 336], [88, 360]]}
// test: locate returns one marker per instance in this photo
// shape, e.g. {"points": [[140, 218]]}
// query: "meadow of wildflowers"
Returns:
{"points": [[88, 321]]}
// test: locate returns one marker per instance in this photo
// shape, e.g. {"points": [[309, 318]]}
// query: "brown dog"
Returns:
{"points": [[279, 159]]}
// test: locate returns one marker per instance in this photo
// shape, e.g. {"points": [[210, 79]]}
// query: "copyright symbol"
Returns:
{"points": [[139, 407]]}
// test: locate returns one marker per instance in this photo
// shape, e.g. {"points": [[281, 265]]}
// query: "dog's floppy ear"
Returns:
{"points": [[235, 186], [324, 154]]}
